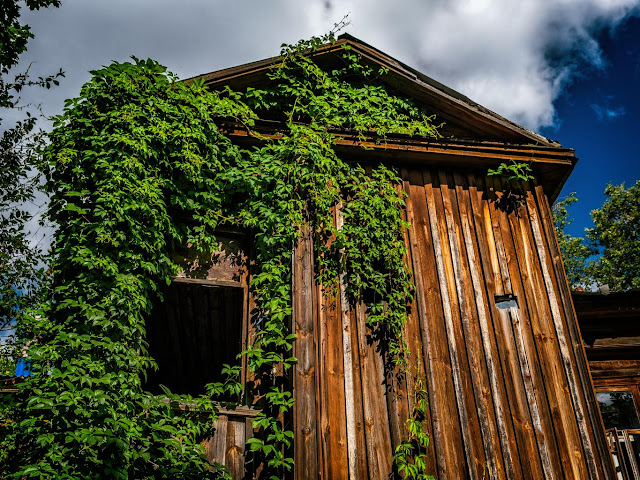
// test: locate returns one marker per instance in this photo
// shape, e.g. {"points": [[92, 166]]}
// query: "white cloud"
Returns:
{"points": [[606, 112], [513, 57]]}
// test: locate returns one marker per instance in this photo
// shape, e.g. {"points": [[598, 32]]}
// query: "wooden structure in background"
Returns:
{"points": [[509, 389], [610, 325]]}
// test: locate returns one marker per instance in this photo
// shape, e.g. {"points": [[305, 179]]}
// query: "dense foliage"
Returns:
{"points": [[83, 414], [137, 166], [20, 259], [616, 235], [610, 254]]}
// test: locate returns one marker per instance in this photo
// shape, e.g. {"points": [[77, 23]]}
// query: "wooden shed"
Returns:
{"points": [[493, 327]]}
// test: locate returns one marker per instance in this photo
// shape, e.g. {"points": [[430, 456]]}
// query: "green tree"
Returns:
{"points": [[575, 251], [14, 35], [616, 236], [20, 274]]}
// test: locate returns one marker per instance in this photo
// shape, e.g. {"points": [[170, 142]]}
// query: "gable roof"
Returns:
{"points": [[463, 118], [472, 135]]}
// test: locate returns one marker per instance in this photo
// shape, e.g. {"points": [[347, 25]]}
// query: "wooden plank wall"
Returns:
{"points": [[227, 446], [510, 392]]}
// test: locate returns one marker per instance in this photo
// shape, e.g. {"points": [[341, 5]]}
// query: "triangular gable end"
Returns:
{"points": [[463, 118]]}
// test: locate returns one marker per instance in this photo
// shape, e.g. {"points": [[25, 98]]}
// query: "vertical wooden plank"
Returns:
{"points": [[412, 333], [353, 449], [492, 258], [605, 462], [477, 367], [210, 444], [220, 440], [507, 440], [447, 437], [234, 458], [534, 382], [305, 418], [459, 363], [376, 416], [358, 397], [333, 422], [566, 352], [317, 304], [396, 395]]}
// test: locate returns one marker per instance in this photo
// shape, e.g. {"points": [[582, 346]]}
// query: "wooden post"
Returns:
{"points": [[305, 392]]}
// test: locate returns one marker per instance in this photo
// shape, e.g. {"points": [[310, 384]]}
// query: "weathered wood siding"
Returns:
{"points": [[509, 389], [227, 446]]}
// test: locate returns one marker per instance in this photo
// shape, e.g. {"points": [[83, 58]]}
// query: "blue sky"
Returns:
{"points": [[598, 115]]}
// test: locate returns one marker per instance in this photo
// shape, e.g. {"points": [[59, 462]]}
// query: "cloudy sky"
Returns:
{"points": [[569, 69]]}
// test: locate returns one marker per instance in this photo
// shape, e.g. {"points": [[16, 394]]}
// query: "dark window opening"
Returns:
{"points": [[200, 325], [618, 409], [192, 334]]}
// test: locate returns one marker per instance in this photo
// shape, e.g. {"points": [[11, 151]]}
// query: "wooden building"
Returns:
{"points": [[610, 326], [493, 327]]}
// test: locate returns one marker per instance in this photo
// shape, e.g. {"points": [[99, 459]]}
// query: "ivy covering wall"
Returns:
{"points": [[137, 165]]}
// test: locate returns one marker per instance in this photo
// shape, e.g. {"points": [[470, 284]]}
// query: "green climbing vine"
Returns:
{"points": [[514, 177], [514, 173], [137, 166], [411, 455]]}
